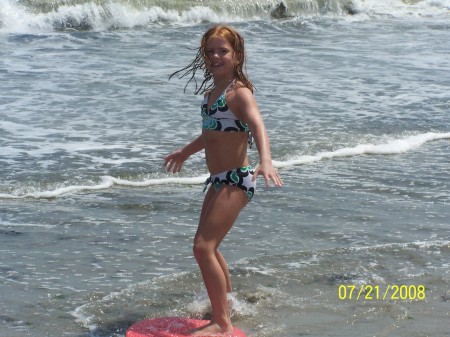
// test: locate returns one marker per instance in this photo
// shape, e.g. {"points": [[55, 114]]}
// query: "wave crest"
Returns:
{"points": [[28, 16]]}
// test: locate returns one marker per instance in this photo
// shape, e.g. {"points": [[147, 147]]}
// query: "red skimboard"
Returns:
{"points": [[169, 327]]}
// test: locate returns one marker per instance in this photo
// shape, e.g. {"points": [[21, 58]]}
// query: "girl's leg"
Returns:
{"points": [[221, 208], [224, 266], [223, 263]]}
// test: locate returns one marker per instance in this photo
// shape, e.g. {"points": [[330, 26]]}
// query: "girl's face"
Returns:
{"points": [[219, 57]]}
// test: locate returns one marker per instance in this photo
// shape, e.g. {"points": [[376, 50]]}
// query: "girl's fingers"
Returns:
{"points": [[274, 177]]}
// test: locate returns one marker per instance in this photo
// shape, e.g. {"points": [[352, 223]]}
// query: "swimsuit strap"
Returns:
{"points": [[234, 80], [224, 91]]}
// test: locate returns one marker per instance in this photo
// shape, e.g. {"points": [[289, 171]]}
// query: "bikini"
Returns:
{"points": [[220, 118]]}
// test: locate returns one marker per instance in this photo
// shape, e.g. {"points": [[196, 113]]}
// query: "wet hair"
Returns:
{"points": [[198, 64]]}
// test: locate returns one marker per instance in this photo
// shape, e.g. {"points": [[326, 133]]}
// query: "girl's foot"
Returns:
{"points": [[211, 329]]}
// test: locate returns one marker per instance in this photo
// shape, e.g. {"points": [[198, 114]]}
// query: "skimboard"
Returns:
{"points": [[169, 327]]}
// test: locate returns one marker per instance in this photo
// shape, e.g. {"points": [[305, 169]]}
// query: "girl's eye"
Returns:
{"points": [[221, 51]]}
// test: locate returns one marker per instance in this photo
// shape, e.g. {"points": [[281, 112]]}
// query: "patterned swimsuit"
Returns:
{"points": [[220, 118]]}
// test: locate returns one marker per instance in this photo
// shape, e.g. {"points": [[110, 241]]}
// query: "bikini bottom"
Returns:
{"points": [[240, 177]]}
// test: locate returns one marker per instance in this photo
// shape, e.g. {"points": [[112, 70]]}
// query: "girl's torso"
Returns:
{"points": [[225, 136]]}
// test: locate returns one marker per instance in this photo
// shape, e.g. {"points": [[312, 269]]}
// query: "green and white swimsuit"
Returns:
{"points": [[220, 118], [240, 177]]}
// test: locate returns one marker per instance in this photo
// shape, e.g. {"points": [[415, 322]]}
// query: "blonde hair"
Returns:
{"points": [[198, 64]]}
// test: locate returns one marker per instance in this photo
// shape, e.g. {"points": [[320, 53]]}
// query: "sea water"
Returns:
{"points": [[95, 235]]}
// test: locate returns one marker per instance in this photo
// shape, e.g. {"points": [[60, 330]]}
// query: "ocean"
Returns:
{"points": [[95, 235]]}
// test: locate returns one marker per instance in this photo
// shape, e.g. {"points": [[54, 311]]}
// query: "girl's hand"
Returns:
{"points": [[269, 173], [174, 161]]}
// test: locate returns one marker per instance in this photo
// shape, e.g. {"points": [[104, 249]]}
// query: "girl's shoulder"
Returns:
{"points": [[238, 89], [240, 100]]}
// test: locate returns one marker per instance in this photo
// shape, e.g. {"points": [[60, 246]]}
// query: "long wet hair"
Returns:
{"points": [[198, 64]]}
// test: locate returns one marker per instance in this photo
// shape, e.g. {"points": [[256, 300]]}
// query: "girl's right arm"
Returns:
{"points": [[174, 161]]}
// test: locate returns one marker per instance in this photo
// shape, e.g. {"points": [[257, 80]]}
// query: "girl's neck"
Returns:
{"points": [[223, 83]]}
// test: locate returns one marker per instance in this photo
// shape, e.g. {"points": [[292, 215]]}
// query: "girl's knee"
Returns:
{"points": [[202, 250]]}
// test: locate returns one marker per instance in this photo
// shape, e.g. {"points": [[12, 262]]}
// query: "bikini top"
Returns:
{"points": [[219, 117]]}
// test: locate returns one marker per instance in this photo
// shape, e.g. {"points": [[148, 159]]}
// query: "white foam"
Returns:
{"points": [[400, 8], [405, 245], [106, 183], [26, 225], [87, 314], [159, 181], [93, 16], [395, 146], [61, 191], [18, 18]]}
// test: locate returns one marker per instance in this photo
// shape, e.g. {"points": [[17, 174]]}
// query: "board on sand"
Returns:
{"points": [[169, 327]]}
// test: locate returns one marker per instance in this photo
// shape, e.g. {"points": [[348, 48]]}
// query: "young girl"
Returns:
{"points": [[230, 118]]}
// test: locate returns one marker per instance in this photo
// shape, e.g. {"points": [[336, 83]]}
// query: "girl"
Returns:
{"points": [[230, 118]]}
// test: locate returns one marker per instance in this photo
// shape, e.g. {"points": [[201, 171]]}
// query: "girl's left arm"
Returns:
{"points": [[248, 110]]}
